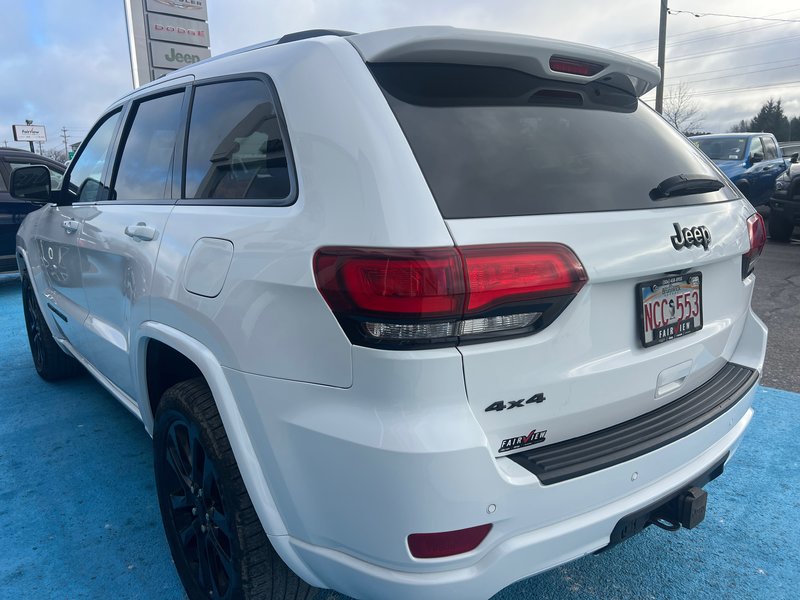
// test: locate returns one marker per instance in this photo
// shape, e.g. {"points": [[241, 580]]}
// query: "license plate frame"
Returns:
{"points": [[675, 327]]}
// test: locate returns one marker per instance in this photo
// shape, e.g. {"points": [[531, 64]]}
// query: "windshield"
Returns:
{"points": [[722, 148], [497, 142]]}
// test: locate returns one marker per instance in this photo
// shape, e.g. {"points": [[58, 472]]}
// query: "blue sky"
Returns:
{"points": [[62, 63]]}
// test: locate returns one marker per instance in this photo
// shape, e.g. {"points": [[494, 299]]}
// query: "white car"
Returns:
{"points": [[409, 314]]}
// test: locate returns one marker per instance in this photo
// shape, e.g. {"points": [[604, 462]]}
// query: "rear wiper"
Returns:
{"points": [[685, 185]]}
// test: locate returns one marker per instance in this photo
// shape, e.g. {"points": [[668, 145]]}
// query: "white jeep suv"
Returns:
{"points": [[410, 314]]}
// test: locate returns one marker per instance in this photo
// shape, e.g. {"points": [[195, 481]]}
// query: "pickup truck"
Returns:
{"points": [[753, 161]]}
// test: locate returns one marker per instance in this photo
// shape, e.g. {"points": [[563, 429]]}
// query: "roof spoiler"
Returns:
{"points": [[542, 57]]}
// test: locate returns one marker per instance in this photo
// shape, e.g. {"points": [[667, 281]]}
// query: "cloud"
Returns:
{"points": [[63, 61]]}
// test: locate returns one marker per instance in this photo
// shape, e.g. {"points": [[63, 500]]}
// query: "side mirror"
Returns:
{"points": [[794, 157], [756, 158], [31, 183]]}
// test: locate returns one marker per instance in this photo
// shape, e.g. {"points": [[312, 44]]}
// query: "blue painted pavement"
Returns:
{"points": [[80, 517]]}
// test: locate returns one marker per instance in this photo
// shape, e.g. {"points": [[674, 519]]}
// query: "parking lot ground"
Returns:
{"points": [[776, 299], [81, 519]]}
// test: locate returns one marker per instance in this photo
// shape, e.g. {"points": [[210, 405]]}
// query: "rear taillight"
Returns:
{"points": [[574, 66], [757, 232], [399, 298]]}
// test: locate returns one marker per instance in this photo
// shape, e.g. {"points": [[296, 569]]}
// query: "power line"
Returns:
{"points": [[743, 18], [736, 68], [784, 84], [736, 75], [732, 49], [706, 29], [710, 37]]}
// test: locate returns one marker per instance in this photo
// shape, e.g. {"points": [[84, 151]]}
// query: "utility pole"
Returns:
{"points": [[65, 136], [662, 43], [6, 143]]}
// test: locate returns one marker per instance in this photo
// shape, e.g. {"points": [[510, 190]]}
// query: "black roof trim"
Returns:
{"points": [[312, 33]]}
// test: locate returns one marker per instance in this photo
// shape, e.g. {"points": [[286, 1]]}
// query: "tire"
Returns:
{"points": [[217, 542], [780, 229], [51, 362]]}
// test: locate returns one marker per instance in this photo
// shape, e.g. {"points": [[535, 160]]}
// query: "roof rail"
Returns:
{"points": [[312, 33]]}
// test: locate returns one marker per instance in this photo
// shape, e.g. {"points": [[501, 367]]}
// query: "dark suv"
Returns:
{"points": [[785, 205], [13, 210]]}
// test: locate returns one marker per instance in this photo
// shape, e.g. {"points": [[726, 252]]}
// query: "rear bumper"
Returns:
{"points": [[503, 561], [354, 471]]}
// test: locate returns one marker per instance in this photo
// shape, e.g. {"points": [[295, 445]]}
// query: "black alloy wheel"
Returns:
{"points": [[197, 512], [34, 325], [216, 539], [51, 362]]}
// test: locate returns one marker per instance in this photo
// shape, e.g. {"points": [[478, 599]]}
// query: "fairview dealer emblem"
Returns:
{"points": [[534, 437]]}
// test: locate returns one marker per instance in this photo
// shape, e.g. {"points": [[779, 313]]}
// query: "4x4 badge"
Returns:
{"points": [[695, 236], [535, 399]]}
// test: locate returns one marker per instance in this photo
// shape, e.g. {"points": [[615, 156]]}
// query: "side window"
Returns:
{"points": [[756, 148], [3, 187], [235, 148], [149, 149], [55, 176], [770, 149], [84, 180]]}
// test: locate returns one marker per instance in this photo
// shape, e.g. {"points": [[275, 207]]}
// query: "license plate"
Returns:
{"points": [[669, 308]]}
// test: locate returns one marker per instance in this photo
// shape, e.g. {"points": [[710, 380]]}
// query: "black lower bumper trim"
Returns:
{"points": [[623, 442]]}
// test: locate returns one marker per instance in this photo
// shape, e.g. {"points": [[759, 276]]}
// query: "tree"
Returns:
{"points": [[56, 154], [742, 127], [682, 110], [794, 128], [772, 120], [769, 119]]}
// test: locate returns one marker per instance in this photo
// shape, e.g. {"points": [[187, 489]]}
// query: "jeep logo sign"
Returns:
{"points": [[694, 236], [175, 56]]}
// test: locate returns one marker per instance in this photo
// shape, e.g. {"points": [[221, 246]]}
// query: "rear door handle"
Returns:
{"points": [[140, 231], [70, 226]]}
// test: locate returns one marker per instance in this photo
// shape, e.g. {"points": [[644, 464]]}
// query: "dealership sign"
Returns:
{"points": [[193, 9], [29, 133], [173, 29], [175, 56], [165, 35]]}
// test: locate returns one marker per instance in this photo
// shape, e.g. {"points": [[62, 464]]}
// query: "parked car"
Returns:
{"points": [[14, 210], [790, 150], [784, 206], [753, 161], [409, 314]]}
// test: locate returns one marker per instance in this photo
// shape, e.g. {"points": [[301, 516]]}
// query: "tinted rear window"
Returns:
{"points": [[498, 142]]}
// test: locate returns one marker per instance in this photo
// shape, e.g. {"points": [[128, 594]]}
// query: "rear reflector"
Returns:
{"points": [[757, 232], [574, 66], [447, 543], [400, 297]]}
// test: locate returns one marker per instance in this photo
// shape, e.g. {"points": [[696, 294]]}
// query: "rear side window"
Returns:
{"points": [[770, 149], [756, 147], [235, 148], [498, 142], [149, 149]]}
